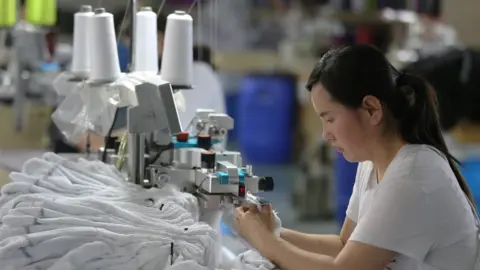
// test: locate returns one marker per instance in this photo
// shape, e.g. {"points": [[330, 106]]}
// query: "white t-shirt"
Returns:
{"points": [[207, 93], [418, 211]]}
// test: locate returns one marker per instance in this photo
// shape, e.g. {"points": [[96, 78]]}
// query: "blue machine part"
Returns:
{"points": [[191, 143], [223, 177], [241, 176]]}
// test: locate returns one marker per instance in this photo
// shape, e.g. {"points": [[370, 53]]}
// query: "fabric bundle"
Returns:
{"points": [[63, 214]]}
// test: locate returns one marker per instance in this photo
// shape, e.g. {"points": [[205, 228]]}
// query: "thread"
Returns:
{"points": [[8, 13], [177, 56], [104, 66], [146, 42], [42, 12], [81, 39]]}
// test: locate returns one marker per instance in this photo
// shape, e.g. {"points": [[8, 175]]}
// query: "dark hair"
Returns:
{"points": [[452, 75], [352, 72], [203, 53]]}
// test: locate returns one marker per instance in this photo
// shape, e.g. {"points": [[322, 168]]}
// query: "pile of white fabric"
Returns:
{"points": [[63, 214]]}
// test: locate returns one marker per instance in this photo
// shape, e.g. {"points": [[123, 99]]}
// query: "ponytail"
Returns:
{"points": [[418, 120]]}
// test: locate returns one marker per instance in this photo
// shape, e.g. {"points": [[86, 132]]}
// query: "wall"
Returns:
{"points": [[464, 16]]}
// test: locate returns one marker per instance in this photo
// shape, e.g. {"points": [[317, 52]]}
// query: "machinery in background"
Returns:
{"points": [[28, 72]]}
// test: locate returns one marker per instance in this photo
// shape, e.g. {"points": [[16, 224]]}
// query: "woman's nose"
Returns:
{"points": [[326, 136]]}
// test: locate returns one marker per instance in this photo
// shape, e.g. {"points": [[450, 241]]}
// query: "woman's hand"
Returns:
{"points": [[255, 225]]}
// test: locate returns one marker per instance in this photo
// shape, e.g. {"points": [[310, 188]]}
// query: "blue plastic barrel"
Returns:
{"points": [[345, 172], [265, 118], [231, 101], [471, 172]]}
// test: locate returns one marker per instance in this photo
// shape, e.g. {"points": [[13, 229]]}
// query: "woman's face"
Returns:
{"points": [[350, 131]]}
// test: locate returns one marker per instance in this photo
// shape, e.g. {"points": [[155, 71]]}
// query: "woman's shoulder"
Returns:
{"points": [[418, 161]]}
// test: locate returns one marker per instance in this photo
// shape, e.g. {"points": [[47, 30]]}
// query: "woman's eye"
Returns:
{"points": [[329, 120]]}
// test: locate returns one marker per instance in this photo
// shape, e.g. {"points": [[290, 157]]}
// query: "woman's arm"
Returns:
{"points": [[329, 245], [354, 256]]}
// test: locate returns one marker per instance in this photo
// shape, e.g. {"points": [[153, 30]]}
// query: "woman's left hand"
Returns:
{"points": [[255, 225]]}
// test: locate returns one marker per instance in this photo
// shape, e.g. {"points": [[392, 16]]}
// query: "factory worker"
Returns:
{"points": [[411, 208]]}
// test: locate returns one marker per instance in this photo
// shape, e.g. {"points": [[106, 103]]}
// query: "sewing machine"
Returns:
{"points": [[160, 152], [156, 150]]}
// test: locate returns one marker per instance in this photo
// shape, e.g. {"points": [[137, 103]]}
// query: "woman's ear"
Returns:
{"points": [[373, 108]]}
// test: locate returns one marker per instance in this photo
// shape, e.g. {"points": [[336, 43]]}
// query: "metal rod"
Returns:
{"points": [[136, 155], [134, 6], [122, 152]]}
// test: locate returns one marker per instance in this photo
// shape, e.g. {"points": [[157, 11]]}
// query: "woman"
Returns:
{"points": [[410, 208]]}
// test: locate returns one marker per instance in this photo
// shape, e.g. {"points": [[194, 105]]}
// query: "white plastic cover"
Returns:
{"points": [[65, 83], [91, 107], [147, 77]]}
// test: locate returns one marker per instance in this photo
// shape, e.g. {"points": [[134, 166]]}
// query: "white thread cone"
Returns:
{"points": [[81, 38], [177, 57], [146, 42], [105, 66]]}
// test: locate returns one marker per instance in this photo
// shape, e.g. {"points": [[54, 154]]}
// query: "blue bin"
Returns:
{"points": [[345, 173], [471, 172], [265, 118], [231, 101]]}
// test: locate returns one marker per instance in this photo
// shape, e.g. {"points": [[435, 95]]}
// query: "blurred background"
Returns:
{"points": [[262, 51]]}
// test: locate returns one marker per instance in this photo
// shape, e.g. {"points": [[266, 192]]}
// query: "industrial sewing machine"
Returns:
{"points": [[160, 152], [157, 151]]}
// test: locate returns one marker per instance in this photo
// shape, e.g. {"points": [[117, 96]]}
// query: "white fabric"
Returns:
{"points": [[59, 214], [418, 210], [251, 259]]}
